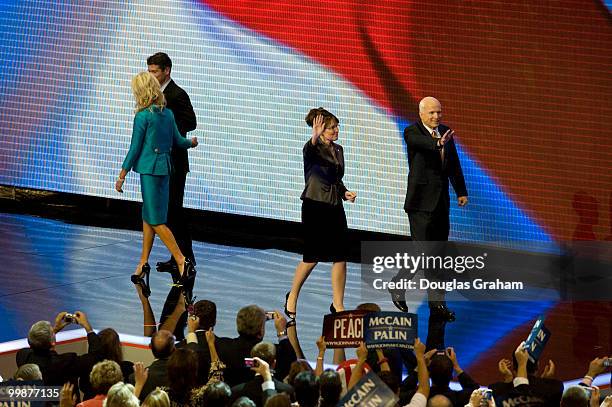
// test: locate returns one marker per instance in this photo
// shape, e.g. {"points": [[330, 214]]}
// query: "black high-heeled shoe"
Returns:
{"points": [[290, 315], [332, 309], [189, 273], [143, 282]]}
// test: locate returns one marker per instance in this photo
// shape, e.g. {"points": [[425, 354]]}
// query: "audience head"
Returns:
{"points": [[251, 321], [330, 388], [182, 370], [111, 345], [300, 365], [575, 396], [440, 370], [265, 351], [439, 401], [121, 395], [390, 380], [157, 398], [278, 400], [244, 402], [41, 336], [162, 344], [306, 388], [217, 394], [369, 306], [28, 372], [104, 375], [207, 312]]}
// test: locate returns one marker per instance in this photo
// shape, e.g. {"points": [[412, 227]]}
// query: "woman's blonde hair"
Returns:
{"points": [[157, 398], [147, 91], [121, 395]]}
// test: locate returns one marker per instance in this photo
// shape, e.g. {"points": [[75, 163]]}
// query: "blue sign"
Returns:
{"points": [[369, 391], [390, 330], [537, 339]]}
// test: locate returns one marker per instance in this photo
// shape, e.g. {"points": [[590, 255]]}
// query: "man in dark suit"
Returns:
{"points": [[58, 368], [433, 162], [162, 346], [177, 100], [250, 323], [252, 388]]}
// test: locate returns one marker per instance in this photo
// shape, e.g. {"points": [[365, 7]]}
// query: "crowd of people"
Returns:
{"points": [[204, 369]]}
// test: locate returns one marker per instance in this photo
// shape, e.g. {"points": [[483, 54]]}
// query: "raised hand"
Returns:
{"points": [[448, 136], [194, 142], [318, 126], [549, 370], [419, 348], [67, 396], [210, 336], [362, 352], [193, 323], [504, 368], [321, 344]]}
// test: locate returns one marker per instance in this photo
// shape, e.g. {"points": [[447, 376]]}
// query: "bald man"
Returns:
{"points": [[433, 162]]}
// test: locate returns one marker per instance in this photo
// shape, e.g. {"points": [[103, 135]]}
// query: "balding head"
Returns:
{"points": [[430, 111], [162, 344], [575, 396], [439, 401]]}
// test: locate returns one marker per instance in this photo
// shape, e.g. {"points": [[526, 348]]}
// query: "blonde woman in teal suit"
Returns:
{"points": [[154, 136]]}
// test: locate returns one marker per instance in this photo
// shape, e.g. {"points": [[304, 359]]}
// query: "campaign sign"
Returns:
{"points": [[537, 339], [390, 330], [369, 391], [343, 329]]}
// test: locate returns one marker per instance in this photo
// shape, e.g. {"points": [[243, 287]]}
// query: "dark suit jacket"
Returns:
{"points": [[252, 389], [428, 176], [232, 352], [549, 390], [178, 101], [158, 376], [322, 174], [60, 368]]}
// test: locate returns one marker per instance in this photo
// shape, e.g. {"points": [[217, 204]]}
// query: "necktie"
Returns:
{"points": [[435, 137]]}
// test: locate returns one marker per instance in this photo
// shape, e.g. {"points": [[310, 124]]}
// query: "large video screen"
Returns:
{"points": [[527, 87]]}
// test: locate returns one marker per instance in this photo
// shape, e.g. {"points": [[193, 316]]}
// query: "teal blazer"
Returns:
{"points": [[153, 137]]}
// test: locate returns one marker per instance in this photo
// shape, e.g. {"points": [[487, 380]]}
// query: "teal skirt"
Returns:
{"points": [[155, 192]]}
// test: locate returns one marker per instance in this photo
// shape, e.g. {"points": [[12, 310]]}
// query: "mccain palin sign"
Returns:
{"points": [[390, 330]]}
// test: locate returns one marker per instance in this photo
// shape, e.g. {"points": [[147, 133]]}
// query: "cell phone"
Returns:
{"points": [[487, 395], [270, 315], [607, 362], [69, 318], [250, 362]]}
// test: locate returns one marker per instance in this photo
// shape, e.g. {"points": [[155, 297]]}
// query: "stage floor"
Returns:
{"points": [[49, 266]]}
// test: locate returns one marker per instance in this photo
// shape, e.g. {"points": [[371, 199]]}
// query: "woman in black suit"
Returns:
{"points": [[323, 218]]}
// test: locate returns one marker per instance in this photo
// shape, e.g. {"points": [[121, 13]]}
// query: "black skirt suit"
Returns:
{"points": [[323, 217]]}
